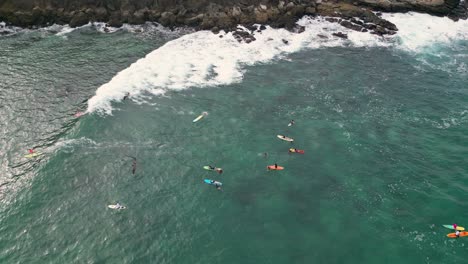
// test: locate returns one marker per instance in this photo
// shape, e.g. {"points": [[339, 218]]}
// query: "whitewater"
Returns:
{"points": [[204, 59]]}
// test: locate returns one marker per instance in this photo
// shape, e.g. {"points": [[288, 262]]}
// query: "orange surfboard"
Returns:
{"points": [[272, 167], [462, 234]]}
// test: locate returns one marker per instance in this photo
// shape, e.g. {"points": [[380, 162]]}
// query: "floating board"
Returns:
{"points": [[462, 234], [32, 155], [218, 170], [290, 124], [285, 138], [200, 117], [459, 228], [208, 181], [299, 151], [116, 207], [78, 114], [272, 167], [207, 168]]}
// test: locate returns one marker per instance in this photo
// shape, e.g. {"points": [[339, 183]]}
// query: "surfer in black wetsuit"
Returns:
{"points": [[126, 96], [134, 165]]}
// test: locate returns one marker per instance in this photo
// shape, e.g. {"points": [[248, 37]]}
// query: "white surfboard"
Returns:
{"points": [[32, 155], [285, 138], [200, 117], [116, 207]]}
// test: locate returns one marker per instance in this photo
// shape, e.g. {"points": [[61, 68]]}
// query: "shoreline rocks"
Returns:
{"points": [[219, 15]]}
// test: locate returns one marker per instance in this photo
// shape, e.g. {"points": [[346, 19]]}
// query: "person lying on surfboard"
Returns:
{"points": [[216, 184], [457, 233], [276, 167], [218, 170], [291, 123]]}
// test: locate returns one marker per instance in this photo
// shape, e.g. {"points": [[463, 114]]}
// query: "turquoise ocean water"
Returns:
{"points": [[384, 129]]}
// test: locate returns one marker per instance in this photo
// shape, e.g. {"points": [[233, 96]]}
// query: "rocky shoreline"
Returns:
{"points": [[225, 15]]}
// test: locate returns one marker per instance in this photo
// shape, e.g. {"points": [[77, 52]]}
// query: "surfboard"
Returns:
{"points": [[285, 138], [116, 207], [462, 234], [32, 155], [208, 181], [272, 167], [459, 228], [299, 151], [200, 117], [207, 168], [78, 114]]}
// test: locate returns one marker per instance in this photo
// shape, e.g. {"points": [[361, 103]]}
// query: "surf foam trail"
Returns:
{"points": [[204, 59]]}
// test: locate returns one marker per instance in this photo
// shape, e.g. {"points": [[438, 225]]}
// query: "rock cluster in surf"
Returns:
{"points": [[221, 14]]}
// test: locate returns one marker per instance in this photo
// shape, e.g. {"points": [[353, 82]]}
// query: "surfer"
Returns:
{"points": [[265, 155], [126, 96], [134, 165], [457, 233], [291, 123], [219, 170], [31, 151], [211, 167], [276, 166], [216, 184]]}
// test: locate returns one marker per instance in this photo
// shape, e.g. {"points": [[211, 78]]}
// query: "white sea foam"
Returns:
{"points": [[421, 31], [204, 59]]}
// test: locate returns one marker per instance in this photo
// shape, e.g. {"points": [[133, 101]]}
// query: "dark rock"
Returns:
{"points": [[193, 21], [300, 29], [215, 30], [350, 25], [322, 36], [285, 41], [262, 27], [355, 21], [79, 19], [340, 35], [251, 27], [331, 19], [115, 22], [100, 14], [139, 17], [168, 19], [310, 10]]}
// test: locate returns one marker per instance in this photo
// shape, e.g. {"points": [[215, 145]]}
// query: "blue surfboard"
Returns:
{"points": [[208, 181]]}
